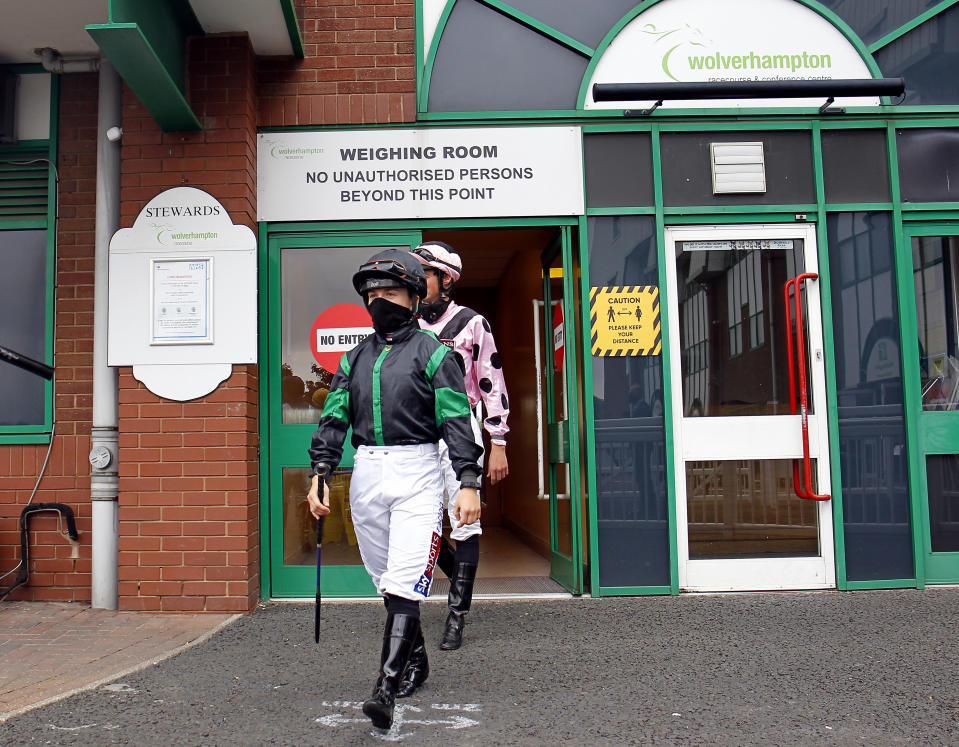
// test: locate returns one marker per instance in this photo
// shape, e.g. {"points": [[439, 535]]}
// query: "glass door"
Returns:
{"points": [[935, 268], [561, 415], [315, 316], [752, 457]]}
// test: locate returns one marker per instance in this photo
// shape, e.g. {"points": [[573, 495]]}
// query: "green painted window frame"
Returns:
{"points": [[41, 432], [424, 59]]}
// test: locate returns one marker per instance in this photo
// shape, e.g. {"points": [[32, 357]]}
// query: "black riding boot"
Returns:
{"points": [[418, 669], [447, 559], [460, 598], [398, 640]]}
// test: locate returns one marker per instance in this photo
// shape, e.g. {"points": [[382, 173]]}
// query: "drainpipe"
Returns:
{"points": [[103, 454], [54, 62]]}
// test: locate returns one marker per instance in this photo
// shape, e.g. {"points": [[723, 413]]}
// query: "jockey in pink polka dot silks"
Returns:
{"points": [[469, 334]]}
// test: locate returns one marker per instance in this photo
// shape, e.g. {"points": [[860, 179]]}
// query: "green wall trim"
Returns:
{"points": [[910, 206], [539, 27], [851, 207], [740, 209], [23, 438], [896, 583], [829, 344], [684, 220], [589, 414], [263, 309], [937, 215], [139, 64], [620, 211], [414, 224], [909, 359], [907, 27], [664, 312], [633, 591], [293, 28]]}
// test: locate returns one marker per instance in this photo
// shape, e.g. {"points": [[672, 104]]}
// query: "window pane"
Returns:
{"points": [[489, 62], [730, 304], [585, 22], [23, 323], [748, 509], [936, 278], [872, 432], [299, 526], [313, 280], [687, 177], [630, 454], [619, 170], [927, 57], [855, 166], [942, 477], [873, 19], [928, 164]]}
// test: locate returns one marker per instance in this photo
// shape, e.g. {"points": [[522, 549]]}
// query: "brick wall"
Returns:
{"points": [[359, 67], [188, 508], [54, 574]]}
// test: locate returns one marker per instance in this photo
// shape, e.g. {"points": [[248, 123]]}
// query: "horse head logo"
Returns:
{"points": [[685, 35]]}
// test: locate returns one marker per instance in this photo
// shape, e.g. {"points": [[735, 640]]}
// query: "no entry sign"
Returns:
{"points": [[337, 330]]}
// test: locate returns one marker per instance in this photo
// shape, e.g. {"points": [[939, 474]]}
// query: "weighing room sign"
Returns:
{"points": [[624, 320]]}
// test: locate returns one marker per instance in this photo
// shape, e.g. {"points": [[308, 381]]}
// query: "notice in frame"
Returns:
{"points": [[419, 173], [180, 301]]}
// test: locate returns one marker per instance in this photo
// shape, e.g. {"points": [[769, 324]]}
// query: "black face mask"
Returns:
{"points": [[388, 316], [433, 311]]}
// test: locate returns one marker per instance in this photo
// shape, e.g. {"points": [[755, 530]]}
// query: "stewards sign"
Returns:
{"points": [[624, 320], [337, 330]]}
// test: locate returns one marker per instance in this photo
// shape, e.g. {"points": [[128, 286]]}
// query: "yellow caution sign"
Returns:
{"points": [[624, 320]]}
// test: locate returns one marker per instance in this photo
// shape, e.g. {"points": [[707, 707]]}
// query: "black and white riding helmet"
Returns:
{"points": [[391, 269]]}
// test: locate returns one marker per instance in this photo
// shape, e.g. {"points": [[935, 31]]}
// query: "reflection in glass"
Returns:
{"points": [[312, 280], [942, 477], [631, 485], [872, 433], [585, 22], [873, 19], [748, 509], [926, 57], [299, 526], [732, 325], [487, 61], [23, 323], [553, 354], [934, 261]]}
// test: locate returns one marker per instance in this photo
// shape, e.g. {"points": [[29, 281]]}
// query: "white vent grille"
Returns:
{"points": [[737, 167]]}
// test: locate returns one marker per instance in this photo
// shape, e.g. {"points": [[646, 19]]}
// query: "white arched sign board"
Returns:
{"points": [[692, 41], [182, 295]]}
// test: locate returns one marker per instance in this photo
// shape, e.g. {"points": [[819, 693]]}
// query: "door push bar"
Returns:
{"points": [[803, 489]]}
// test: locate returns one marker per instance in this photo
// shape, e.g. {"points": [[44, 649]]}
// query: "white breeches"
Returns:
{"points": [[396, 498]]}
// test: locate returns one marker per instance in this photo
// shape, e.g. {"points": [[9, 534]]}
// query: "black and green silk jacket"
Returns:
{"points": [[399, 391]]}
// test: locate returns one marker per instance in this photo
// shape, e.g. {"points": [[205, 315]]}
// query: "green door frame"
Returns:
{"points": [[286, 445], [936, 432], [563, 437], [281, 581]]}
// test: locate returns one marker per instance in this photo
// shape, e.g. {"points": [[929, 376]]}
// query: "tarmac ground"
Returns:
{"points": [[871, 667]]}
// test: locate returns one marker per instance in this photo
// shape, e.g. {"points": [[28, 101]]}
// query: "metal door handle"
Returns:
{"points": [[803, 487]]}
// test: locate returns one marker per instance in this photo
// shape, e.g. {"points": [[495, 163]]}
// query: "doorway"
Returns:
{"points": [[752, 466], [515, 278]]}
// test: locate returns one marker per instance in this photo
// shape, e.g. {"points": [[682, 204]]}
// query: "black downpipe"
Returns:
{"points": [[65, 511]]}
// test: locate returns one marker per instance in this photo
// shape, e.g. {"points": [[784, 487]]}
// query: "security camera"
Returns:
{"points": [[114, 134]]}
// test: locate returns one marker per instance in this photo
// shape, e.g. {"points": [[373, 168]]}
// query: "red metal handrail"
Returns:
{"points": [[803, 488]]}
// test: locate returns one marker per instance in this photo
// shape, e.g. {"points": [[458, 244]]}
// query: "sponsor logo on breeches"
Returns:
{"points": [[426, 580]]}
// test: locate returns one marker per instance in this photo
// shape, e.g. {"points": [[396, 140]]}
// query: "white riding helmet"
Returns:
{"points": [[440, 256]]}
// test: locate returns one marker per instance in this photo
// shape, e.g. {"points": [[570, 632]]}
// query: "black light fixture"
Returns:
{"points": [[747, 89]]}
